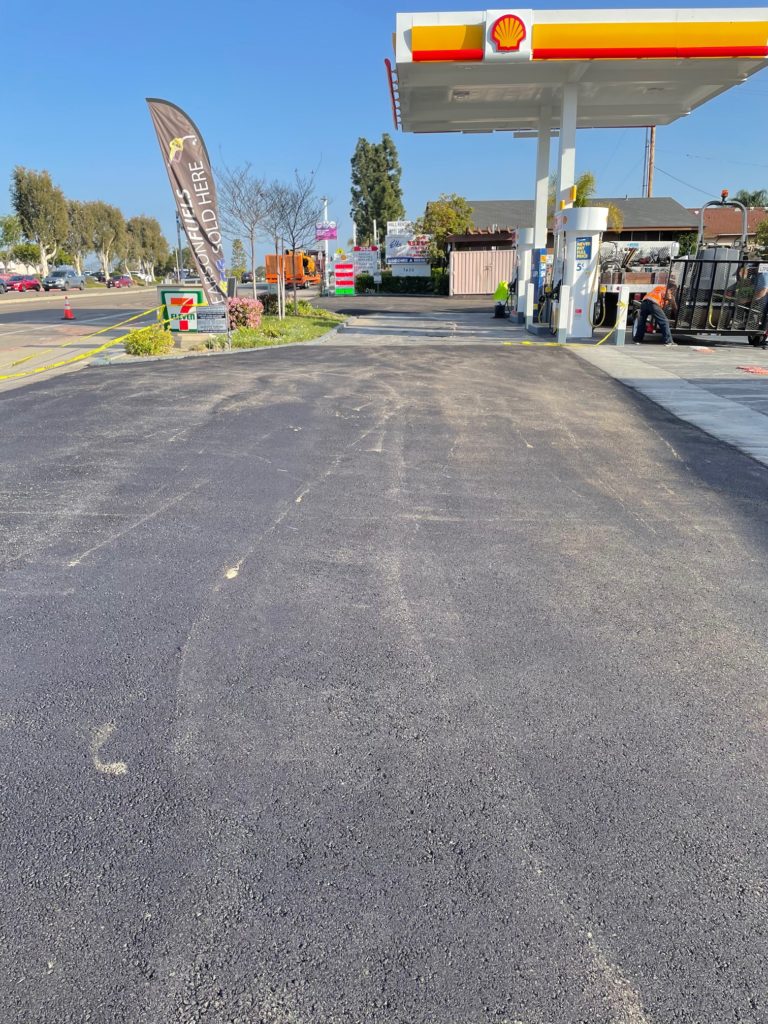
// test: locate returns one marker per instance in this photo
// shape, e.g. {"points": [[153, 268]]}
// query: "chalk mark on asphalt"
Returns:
{"points": [[100, 737], [128, 529]]}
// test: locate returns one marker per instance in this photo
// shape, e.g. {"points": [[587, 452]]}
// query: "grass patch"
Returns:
{"points": [[92, 283], [273, 331]]}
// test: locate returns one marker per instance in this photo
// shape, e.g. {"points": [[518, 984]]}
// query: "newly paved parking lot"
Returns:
{"points": [[417, 680]]}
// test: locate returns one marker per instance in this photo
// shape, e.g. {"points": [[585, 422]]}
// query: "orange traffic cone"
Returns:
{"points": [[68, 314]]}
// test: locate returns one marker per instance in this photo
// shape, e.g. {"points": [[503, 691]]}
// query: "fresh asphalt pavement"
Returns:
{"points": [[379, 682]]}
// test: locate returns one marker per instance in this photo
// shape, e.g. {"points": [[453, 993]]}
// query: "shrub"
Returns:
{"points": [[149, 341], [270, 305], [435, 284], [244, 313]]}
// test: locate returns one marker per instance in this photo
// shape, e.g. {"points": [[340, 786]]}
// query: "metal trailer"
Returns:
{"points": [[721, 290]]}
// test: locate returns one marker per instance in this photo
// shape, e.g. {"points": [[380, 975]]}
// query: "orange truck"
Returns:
{"points": [[298, 267]]}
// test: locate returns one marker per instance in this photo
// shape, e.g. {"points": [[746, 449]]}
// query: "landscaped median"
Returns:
{"points": [[250, 329]]}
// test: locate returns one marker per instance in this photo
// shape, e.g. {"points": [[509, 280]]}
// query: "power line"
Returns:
{"points": [[740, 163], [687, 184]]}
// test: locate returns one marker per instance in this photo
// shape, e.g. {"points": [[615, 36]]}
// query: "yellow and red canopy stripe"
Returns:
{"points": [[606, 40], [671, 39], [447, 42]]}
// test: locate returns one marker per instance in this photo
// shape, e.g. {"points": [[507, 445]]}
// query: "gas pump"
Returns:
{"points": [[578, 231]]}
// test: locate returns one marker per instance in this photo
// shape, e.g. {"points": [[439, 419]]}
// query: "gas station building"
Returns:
{"points": [[544, 74]]}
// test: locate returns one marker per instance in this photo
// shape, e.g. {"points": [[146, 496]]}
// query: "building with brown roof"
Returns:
{"points": [[659, 219], [723, 224]]}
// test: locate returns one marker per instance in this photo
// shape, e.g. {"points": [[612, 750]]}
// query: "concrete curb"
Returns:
{"points": [[728, 421]]}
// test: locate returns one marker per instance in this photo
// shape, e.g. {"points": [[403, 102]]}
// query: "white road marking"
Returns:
{"points": [[100, 737]]}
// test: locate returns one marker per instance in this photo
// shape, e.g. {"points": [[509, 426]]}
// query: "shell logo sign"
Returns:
{"points": [[508, 35], [508, 32]]}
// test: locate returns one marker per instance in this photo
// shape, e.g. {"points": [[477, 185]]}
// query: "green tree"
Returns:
{"points": [[447, 215], [42, 211], [64, 258], [10, 235], [761, 237], [376, 190], [27, 253], [79, 238], [109, 234], [687, 243], [239, 259], [757, 198], [146, 246]]}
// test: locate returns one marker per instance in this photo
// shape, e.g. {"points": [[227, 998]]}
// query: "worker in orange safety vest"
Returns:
{"points": [[653, 306]]}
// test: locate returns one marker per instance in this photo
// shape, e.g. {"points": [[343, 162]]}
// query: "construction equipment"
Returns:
{"points": [[295, 267]]}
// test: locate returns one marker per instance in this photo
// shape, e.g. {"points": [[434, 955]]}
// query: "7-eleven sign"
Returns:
{"points": [[182, 312]]}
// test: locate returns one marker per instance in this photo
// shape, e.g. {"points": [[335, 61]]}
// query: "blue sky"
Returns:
{"points": [[288, 86]]}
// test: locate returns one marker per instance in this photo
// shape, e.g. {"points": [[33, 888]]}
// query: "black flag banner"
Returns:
{"points": [[189, 171]]}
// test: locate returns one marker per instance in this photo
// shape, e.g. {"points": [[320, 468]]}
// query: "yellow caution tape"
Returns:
{"points": [[81, 355]]}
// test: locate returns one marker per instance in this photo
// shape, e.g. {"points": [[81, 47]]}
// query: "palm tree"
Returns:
{"points": [[750, 199]]}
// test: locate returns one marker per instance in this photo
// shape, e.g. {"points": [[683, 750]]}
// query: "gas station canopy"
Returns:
{"points": [[483, 71]]}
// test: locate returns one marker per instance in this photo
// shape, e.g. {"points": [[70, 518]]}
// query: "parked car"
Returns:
{"points": [[247, 278], [64, 278], [23, 283], [119, 281], [97, 275]]}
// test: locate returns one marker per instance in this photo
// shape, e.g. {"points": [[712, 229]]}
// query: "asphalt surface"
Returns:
{"points": [[365, 683]]}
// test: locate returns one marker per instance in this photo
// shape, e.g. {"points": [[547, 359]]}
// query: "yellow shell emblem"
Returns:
{"points": [[508, 32]]}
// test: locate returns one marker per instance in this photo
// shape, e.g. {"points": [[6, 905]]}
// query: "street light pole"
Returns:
{"points": [[326, 276]]}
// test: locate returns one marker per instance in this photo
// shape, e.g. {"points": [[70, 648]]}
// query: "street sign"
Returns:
{"points": [[345, 278], [212, 319]]}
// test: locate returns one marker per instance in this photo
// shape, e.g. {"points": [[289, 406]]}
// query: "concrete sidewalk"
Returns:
{"points": [[707, 387]]}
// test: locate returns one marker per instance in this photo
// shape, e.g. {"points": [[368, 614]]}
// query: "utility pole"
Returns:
{"points": [[651, 159]]}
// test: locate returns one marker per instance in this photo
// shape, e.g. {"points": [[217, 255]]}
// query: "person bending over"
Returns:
{"points": [[653, 306]]}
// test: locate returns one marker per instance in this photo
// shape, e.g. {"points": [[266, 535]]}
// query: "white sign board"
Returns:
{"points": [[399, 227], [411, 270], [406, 248], [366, 260], [212, 319]]}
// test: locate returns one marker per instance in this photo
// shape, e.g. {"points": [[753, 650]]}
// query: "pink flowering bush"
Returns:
{"points": [[244, 313]]}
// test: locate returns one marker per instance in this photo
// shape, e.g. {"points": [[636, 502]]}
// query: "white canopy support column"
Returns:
{"points": [[540, 206], [566, 178]]}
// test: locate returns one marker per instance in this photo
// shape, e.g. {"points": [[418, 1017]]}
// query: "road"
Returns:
{"points": [[405, 682], [35, 339], [33, 333]]}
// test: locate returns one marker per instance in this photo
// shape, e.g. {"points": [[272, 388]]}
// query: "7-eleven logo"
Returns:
{"points": [[182, 312]]}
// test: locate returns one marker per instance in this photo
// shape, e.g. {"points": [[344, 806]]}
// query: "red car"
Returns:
{"points": [[23, 283], [119, 281]]}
